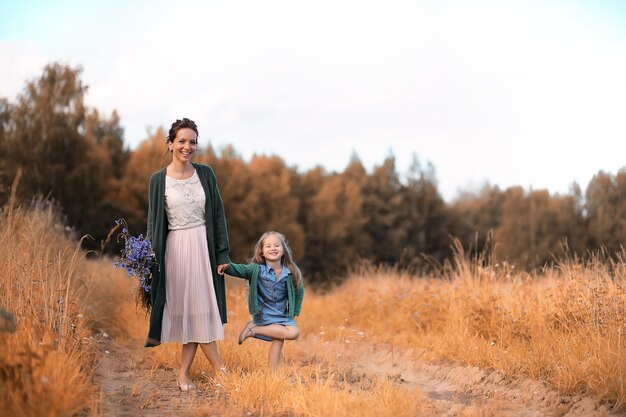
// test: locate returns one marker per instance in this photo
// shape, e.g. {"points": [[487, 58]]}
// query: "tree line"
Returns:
{"points": [[64, 151]]}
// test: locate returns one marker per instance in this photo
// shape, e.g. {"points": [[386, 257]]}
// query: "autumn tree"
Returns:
{"points": [[275, 208], [129, 195], [335, 221], [605, 209], [536, 226], [423, 217], [64, 154], [305, 187], [235, 183], [257, 197], [6, 111], [382, 205], [76, 156], [355, 177], [473, 218]]}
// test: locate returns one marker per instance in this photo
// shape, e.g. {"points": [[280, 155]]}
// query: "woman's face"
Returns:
{"points": [[184, 145]]}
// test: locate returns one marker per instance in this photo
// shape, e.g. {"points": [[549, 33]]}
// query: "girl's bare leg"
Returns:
{"points": [[189, 352], [278, 331], [276, 350], [210, 351]]}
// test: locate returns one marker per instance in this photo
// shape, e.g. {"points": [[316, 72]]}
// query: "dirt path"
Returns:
{"points": [[462, 390], [131, 388]]}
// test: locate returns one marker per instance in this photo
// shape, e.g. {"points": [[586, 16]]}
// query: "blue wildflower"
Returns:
{"points": [[137, 259]]}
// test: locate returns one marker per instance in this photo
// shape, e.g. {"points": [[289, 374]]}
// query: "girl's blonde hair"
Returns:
{"points": [[287, 258]]}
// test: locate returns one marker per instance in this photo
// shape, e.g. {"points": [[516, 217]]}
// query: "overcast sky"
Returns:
{"points": [[529, 93]]}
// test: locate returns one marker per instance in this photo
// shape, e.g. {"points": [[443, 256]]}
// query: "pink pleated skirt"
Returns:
{"points": [[191, 313]]}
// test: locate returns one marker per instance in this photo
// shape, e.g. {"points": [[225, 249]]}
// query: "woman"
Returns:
{"points": [[187, 228]]}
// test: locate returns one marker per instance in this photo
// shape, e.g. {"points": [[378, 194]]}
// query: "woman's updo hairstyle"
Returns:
{"points": [[185, 123]]}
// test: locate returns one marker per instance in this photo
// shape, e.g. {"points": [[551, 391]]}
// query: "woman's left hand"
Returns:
{"points": [[221, 269]]}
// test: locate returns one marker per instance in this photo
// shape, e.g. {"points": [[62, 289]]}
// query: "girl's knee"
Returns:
{"points": [[293, 333]]}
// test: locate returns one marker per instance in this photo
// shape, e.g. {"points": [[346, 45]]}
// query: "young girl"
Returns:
{"points": [[276, 293]]}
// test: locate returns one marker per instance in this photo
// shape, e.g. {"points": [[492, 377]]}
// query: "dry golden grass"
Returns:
{"points": [[565, 327], [46, 364], [307, 384], [110, 302], [310, 390]]}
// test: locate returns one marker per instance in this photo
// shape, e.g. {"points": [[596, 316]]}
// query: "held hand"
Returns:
{"points": [[221, 269]]}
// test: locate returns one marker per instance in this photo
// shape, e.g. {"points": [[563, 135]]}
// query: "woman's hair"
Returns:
{"points": [[181, 124], [287, 258]]}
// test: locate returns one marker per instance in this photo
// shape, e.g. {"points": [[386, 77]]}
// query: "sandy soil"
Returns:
{"points": [[131, 388], [456, 390]]}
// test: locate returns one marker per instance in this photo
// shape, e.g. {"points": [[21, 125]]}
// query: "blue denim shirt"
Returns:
{"points": [[272, 297], [251, 272]]}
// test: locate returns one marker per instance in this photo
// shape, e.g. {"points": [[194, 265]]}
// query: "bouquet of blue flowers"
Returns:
{"points": [[137, 258]]}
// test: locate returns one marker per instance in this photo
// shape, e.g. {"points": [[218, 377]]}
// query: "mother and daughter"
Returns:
{"points": [[187, 228]]}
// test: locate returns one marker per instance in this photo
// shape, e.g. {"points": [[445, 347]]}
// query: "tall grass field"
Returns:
{"points": [[564, 326]]}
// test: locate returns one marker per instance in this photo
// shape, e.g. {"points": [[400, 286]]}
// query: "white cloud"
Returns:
{"points": [[22, 61], [512, 92]]}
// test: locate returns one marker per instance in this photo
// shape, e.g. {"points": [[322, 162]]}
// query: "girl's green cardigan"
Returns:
{"points": [[250, 272], [217, 239]]}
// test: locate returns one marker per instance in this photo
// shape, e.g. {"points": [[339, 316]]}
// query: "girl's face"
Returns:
{"points": [[184, 145], [272, 248]]}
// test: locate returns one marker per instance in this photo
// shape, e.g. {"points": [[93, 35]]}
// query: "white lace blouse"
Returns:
{"points": [[184, 202]]}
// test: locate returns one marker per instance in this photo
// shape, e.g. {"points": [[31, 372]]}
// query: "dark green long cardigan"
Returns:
{"points": [[216, 234]]}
